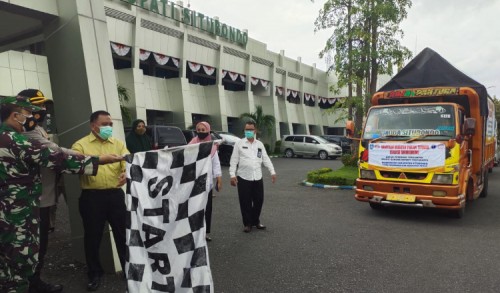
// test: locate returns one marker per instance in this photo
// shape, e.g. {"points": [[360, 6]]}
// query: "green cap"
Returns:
{"points": [[20, 101]]}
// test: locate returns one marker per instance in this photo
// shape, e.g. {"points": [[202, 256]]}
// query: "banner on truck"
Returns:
{"points": [[407, 155]]}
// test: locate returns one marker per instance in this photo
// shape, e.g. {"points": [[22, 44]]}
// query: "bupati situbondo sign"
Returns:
{"points": [[193, 18], [407, 155]]}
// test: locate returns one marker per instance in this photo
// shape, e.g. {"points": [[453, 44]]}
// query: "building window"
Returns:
{"points": [[201, 74], [233, 81], [122, 56], [158, 65]]}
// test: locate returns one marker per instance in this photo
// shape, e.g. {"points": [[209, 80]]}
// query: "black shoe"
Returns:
{"points": [[260, 227], [42, 287], [247, 229], [93, 284]]}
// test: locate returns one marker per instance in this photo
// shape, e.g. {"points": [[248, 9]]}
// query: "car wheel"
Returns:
{"points": [[289, 153], [323, 155]]}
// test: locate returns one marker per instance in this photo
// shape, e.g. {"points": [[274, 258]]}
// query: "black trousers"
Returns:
{"points": [[251, 195], [208, 211], [96, 207], [44, 238]]}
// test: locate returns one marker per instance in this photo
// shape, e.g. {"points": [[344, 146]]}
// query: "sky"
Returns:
{"points": [[466, 33]]}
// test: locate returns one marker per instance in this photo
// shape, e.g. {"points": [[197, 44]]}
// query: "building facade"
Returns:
{"points": [[179, 66]]}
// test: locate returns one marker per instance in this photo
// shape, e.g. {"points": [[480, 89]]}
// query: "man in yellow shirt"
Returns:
{"points": [[102, 198]]}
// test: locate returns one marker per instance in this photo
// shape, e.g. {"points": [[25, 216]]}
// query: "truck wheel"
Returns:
{"points": [[289, 153], [323, 155], [484, 192], [376, 206]]}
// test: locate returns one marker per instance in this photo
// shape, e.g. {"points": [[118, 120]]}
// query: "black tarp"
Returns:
{"points": [[429, 69]]}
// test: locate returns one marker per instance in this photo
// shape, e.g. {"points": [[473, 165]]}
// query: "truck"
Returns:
{"points": [[428, 140]]}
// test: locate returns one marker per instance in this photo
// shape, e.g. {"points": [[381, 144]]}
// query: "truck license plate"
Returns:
{"points": [[400, 197]]}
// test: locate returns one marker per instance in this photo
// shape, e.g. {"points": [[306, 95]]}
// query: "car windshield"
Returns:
{"points": [[410, 121], [167, 135], [321, 140]]}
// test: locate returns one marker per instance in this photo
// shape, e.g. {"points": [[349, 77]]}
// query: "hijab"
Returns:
{"points": [[138, 143], [196, 139]]}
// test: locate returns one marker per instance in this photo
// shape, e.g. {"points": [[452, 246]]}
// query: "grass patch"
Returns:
{"points": [[344, 176]]}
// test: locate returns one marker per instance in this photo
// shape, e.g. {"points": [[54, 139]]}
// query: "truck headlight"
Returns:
{"points": [[442, 179], [367, 174]]}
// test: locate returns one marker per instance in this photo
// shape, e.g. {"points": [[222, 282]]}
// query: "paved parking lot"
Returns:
{"points": [[321, 240]]}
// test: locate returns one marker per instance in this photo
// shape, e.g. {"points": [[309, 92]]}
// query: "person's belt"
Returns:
{"points": [[101, 190]]}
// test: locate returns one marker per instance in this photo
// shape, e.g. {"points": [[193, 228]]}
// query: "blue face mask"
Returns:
{"points": [[249, 133], [105, 132]]}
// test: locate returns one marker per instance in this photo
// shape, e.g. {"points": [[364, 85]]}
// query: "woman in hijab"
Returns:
{"points": [[203, 135], [137, 140]]}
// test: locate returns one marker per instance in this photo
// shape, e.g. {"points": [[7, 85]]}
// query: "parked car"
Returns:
{"points": [[309, 145], [342, 141], [226, 144], [163, 136]]}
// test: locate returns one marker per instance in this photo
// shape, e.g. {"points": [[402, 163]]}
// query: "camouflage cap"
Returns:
{"points": [[20, 101]]}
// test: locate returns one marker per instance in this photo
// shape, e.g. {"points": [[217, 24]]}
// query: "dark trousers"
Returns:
{"points": [[208, 212], [251, 195], [97, 207], [44, 238]]}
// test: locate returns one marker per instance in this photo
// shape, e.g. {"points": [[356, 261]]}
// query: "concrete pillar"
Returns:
{"points": [[83, 81]]}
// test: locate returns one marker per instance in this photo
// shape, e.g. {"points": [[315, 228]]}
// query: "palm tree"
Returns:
{"points": [[124, 96], [262, 122]]}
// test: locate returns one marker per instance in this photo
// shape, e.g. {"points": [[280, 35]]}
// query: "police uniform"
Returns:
{"points": [[20, 189]]}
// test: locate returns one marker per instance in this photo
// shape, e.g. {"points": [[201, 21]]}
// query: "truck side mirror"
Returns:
{"points": [[349, 127], [470, 126]]}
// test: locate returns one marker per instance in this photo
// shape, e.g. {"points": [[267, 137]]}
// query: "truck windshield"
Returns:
{"points": [[431, 122]]}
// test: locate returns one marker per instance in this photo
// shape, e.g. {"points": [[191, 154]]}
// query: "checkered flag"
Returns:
{"points": [[166, 198]]}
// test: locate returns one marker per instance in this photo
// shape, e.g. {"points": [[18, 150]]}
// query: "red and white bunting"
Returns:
{"points": [[119, 49], [264, 83], [195, 67], [233, 75], [332, 100], [287, 92], [279, 90], [243, 77], [175, 61], [254, 80], [161, 59], [307, 96], [144, 55], [209, 70], [224, 72], [294, 93]]}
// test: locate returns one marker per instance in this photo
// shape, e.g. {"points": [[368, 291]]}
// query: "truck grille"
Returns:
{"points": [[403, 175]]}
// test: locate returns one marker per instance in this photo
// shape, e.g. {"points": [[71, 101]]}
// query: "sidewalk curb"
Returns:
{"points": [[324, 186]]}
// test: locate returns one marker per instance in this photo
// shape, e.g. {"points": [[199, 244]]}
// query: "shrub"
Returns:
{"points": [[277, 146], [268, 148], [344, 176], [350, 160]]}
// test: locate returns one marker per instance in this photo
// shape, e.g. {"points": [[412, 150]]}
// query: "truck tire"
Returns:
{"points": [[376, 206], [484, 192]]}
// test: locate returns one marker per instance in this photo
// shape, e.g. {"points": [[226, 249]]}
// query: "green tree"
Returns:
{"points": [[123, 97], [262, 122], [365, 43]]}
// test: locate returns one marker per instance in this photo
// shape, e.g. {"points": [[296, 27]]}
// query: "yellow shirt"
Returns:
{"points": [[108, 175]]}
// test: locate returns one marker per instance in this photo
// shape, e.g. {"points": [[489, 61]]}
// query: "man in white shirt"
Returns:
{"points": [[246, 172]]}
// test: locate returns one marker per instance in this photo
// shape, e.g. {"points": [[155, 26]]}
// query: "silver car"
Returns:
{"points": [[309, 145]]}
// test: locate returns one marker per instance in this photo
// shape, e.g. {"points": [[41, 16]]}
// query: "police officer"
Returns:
{"points": [[20, 188], [35, 131]]}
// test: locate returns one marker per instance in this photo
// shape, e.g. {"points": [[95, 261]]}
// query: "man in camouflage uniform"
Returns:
{"points": [[20, 188]]}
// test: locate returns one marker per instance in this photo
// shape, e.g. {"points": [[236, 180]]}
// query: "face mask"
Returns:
{"points": [[202, 135], [249, 133], [140, 131], [105, 132], [40, 115], [29, 123]]}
